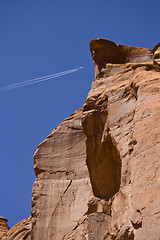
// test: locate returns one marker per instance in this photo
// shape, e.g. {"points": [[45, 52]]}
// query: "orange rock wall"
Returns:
{"points": [[98, 172]]}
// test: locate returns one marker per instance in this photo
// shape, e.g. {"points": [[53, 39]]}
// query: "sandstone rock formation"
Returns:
{"points": [[98, 172], [62, 188], [20, 231], [3, 226], [156, 51]]}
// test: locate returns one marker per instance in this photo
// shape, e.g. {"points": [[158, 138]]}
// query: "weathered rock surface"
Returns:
{"points": [[62, 188], [21, 230], [104, 51], [98, 172], [3, 226]]}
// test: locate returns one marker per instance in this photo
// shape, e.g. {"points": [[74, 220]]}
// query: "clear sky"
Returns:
{"points": [[42, 37]]}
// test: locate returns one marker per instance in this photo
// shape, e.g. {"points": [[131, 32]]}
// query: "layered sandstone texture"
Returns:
{"points": [[20, 231], [98, 172]]}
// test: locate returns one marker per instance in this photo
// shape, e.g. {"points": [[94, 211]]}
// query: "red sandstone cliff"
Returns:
{"points": [[98, 172]]}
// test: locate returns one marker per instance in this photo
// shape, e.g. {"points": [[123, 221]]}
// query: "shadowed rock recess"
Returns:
{"points": [[98, 172]]}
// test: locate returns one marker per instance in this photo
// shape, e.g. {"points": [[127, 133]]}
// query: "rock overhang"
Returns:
{"points": [[107, 52]]}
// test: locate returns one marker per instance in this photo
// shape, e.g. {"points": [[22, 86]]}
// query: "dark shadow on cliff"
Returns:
{"points": [[103, 159]]}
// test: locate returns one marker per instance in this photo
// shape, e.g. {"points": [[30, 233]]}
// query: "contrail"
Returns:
{"points": [[37, 80]]}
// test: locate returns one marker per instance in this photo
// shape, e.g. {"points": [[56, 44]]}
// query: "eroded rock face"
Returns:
{"points": [[3, 226], [156, 52], [104, 51], [21, 231], [62, 188], [121, 122], [98, 172]]}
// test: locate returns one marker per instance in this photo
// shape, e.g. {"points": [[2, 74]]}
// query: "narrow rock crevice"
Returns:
{"points": [[137, 225], [38, 171], [130, 91]]}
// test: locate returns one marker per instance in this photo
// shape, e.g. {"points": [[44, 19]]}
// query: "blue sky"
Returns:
{"points": [[38, 38]]}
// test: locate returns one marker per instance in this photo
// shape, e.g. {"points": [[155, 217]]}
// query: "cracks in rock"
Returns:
{"points": [[56, 207], [38, 171], [148, 65], [130, 91], [136, 219], [67, 187], [137, 225], [134, 90], [131, 144]]}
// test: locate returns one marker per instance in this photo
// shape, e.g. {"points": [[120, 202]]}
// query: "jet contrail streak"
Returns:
{"points": [[37, 80]]}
